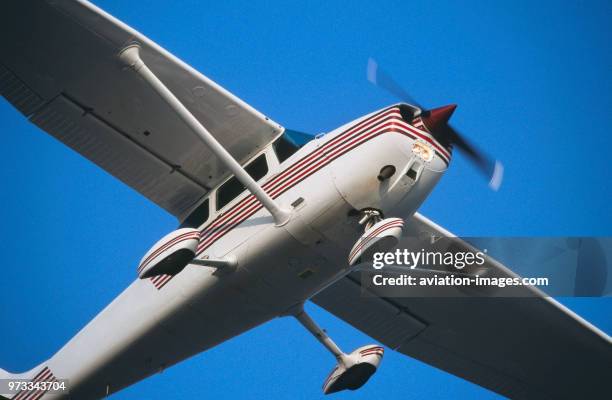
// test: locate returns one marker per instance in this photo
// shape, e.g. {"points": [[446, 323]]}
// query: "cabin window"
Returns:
{"points": [[284, 148], [227, 192], [197, 216]]}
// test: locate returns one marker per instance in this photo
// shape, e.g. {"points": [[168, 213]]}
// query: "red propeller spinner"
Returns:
{"points": [[437, 117]]}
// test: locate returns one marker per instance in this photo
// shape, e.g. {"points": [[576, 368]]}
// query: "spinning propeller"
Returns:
{"points": [[436, 121]]}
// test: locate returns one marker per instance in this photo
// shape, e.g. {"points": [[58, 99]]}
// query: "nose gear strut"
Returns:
{"points": [[379, 235], [369, 217]]}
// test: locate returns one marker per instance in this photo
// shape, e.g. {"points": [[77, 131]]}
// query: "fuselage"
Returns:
{"points": [[159, 321]]}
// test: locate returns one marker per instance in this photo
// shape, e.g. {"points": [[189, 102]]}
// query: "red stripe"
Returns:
{"points": [[44, 375], [372, 351], [372, 348], [160, 280], [378, 353], [42, 392], [427, 137], [244, 214], [366, 133], [165, 281], [391, 224], [368, 240], [36, 378], [321, 151], [328, 158], [377, 348], [37, 394], [372, 235], [217, 224], [329, 377], [365, 136], [188, 235], [162, 248]]}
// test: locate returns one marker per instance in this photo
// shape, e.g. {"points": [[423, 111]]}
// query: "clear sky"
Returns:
{"points": [[534, 87]]}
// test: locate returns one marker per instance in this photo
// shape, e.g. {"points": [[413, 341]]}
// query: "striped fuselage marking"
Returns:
{"points": [[393, 223], [386, 121], [165, 246], [44, 375], [377, 350]]}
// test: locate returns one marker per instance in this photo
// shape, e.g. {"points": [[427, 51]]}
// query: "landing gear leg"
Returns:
{"points": [[369, 217], [352, 370], [379, 235], [321, 336]]}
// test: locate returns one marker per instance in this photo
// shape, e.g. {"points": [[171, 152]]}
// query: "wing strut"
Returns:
{"points": [[320, 334], [130, 56]]}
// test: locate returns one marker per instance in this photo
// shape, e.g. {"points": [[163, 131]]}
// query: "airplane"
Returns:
{"points": [[268, 219]]}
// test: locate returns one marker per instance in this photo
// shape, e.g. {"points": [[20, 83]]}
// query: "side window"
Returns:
{"points": [[258, 168], [197, 216], [284, 148]]}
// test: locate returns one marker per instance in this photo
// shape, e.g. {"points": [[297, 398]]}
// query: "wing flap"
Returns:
{"points": [[18, 93], [68, 49], [380, 319], [117, 154]]}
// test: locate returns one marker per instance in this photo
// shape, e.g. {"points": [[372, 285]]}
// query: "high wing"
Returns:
{"points": [[59, 67], [521, 347]]}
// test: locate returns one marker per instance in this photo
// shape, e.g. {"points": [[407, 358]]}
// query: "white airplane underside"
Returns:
{"points": [[265, 225]]}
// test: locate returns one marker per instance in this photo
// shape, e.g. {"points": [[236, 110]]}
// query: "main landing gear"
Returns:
{"points": [[352, 370], [380, 235]]}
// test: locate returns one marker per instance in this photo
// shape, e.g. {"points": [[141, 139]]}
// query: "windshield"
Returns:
{"points": [[290, 142]]}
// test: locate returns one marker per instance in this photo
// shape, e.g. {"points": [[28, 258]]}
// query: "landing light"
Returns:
{"points": [[423, 151]]}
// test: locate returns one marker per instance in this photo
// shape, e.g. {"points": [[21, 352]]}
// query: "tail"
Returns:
{"points": [[41, 373]]}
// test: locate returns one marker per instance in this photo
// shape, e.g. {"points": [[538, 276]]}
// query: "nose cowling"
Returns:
{"points": [[437, 118]]}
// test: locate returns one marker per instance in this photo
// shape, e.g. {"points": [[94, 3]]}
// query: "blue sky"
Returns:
{"points": [[534, 87]]}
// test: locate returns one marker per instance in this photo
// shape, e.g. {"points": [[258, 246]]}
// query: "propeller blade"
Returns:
{"points": [[494, 170], [437, 122], [380, 78]]}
